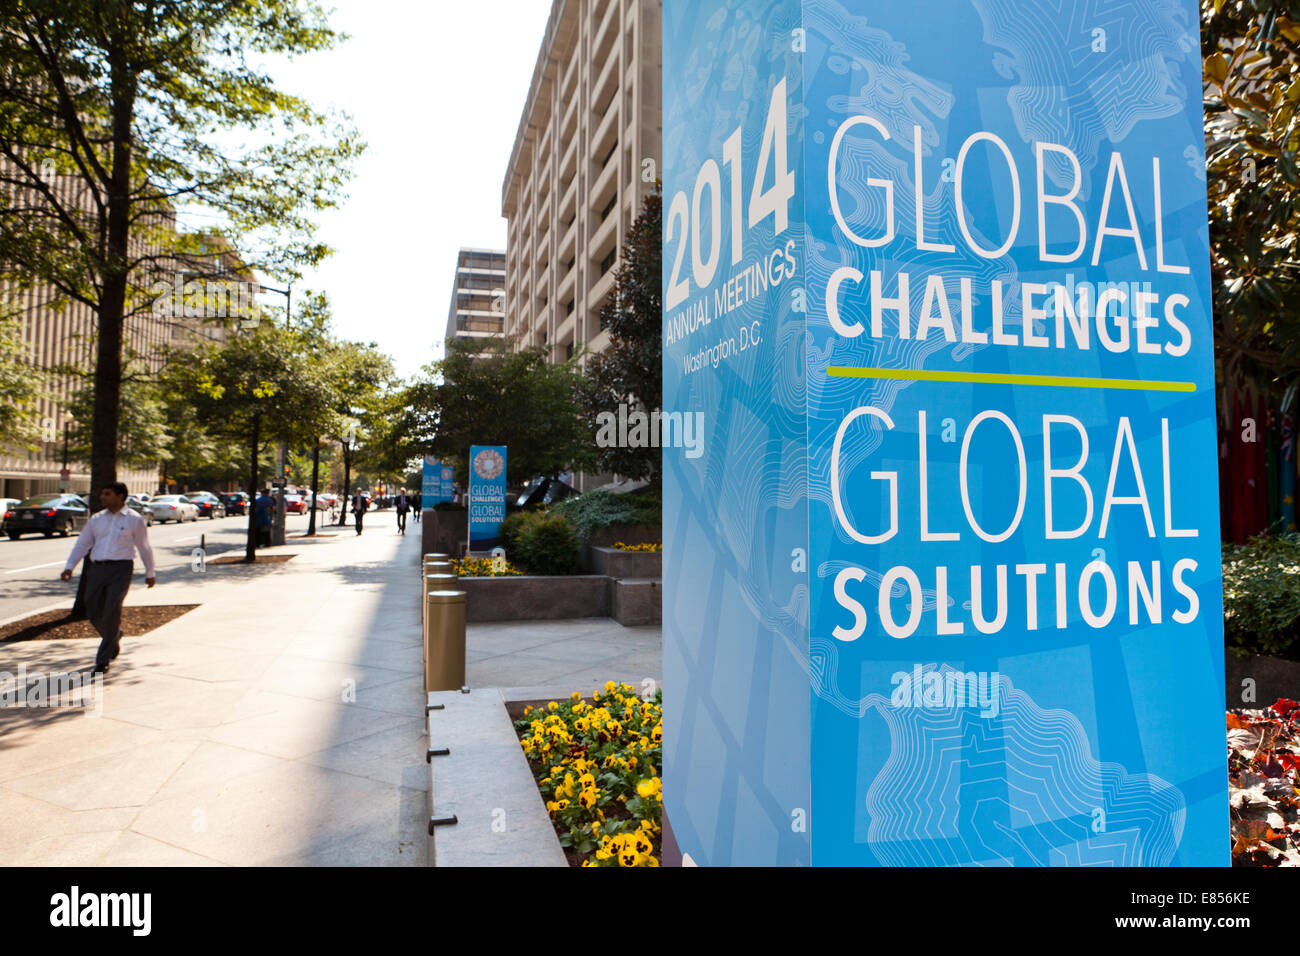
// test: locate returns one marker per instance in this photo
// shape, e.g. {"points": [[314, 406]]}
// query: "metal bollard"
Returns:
{"points": [[434, 564], [444, 640]]}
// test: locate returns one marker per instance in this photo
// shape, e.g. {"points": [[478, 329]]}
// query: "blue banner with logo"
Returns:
{"points": [[446, 483], [487, 495], [430, 482], [1012, 589]]}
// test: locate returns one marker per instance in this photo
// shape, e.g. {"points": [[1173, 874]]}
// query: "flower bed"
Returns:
{"points": [[1264, 784], [648, 546], [484, 568], [597, 765]]}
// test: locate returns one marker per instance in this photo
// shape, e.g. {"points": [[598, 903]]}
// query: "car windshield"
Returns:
{"points": [[167, 498], [41, 501]]}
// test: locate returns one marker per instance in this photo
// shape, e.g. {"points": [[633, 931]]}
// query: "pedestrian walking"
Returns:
{"points": [[417, 504], [359, 507], [111, 537], [403, 504]]}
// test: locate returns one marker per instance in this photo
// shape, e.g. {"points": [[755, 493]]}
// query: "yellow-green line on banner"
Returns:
{"points": [[1005, 378]]}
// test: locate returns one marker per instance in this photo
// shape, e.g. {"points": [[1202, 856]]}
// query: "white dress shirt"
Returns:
{"points": [[113, 537]]}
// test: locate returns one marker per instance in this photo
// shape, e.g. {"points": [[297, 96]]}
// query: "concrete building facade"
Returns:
{"points": [[586, 153], [478, 295]]}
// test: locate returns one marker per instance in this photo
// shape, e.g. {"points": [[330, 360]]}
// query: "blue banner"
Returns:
{"points": [[430, 482], [992, 322], [446, 483], [487, 495]]}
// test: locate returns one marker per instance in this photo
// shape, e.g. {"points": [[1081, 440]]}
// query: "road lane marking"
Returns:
{"points": [[34, 567]]}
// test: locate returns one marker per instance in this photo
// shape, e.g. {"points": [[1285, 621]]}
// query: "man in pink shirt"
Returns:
{"points": [[111, 537]]}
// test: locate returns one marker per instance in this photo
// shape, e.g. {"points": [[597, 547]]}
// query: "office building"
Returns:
{"points": [[586, 153], [478, 293]]}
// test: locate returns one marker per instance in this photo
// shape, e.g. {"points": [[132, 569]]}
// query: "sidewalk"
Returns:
{"points": [[279, 723]]}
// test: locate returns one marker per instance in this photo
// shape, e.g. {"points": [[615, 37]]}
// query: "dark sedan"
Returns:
{"points": [[209, 505], [236, 502], [46, 514]]}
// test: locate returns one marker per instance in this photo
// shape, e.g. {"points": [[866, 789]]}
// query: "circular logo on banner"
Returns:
{"points": [[446, 474], [488, 464]]}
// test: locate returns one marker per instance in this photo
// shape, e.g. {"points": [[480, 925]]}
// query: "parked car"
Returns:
{"points": [[295, 504], [48, 514], [236, 502], [209, 505], [140, 507], [176, 508], [5, 505]]}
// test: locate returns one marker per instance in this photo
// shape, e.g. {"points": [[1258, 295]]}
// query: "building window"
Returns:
{"points": [[608, 262]]}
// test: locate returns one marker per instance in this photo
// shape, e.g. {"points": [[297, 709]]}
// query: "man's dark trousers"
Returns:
{"points": [[401, 520], [106, 586]]}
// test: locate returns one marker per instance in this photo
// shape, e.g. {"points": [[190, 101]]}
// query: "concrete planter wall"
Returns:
{"points": [[530, 598], [627, 533], [627, 564], [1274, 677]]}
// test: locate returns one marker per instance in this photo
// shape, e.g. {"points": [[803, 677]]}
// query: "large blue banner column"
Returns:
{"points": [[985, 386]]}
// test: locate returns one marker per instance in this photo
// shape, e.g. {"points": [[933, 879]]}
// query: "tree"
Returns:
{"points": [[502, 397], [1252, 108], [361, 410], [114, 114], [630, 371], [255, 389]]}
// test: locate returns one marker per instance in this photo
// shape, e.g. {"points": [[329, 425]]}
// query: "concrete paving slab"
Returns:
{"points": [[224, 737]]}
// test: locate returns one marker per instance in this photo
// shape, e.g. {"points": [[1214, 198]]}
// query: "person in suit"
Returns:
{"points": [[403, 504], [359, 506], [111, 537]]}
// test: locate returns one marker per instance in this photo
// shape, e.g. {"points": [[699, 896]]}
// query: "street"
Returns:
{"points": [[29, 567]]}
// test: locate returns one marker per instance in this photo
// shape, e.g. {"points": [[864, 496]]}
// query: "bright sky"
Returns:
{"points": [[436, 89]]}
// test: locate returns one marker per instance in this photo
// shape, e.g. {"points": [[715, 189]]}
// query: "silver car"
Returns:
{"points": [[176, 508]]}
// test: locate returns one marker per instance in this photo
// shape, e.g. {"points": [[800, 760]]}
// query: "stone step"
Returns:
{"points": [[636, 601]]}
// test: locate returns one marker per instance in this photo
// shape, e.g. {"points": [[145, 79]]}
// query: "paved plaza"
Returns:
{"points": [[281, 722]]}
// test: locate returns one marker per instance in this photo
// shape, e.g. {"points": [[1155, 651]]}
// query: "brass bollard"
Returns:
{"points": [[444, 640], [438, 567], [433, 569]]}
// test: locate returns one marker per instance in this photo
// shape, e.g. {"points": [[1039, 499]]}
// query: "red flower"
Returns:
{"points": [[1285, 706]]}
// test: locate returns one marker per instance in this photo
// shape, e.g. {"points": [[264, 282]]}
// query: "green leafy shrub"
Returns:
{"points": [[544, 542], [599, 509], [1261, 596]]}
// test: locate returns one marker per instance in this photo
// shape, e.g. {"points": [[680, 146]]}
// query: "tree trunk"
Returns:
{"points": [[250, 546], [315, 488], [110, 314]]}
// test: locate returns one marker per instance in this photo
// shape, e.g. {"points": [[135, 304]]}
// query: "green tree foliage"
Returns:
{"points": [[20, 387], [254, 389], [143, 433], [631, 370], [117, 112], [499, 397], [1252, 112]]}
